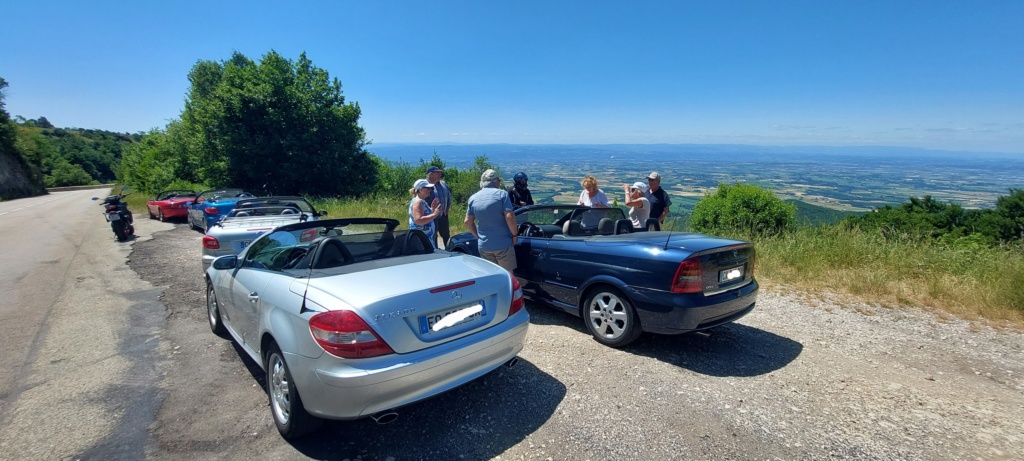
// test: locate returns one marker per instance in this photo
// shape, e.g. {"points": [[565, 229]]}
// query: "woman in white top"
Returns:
{"points": [[639, 206], [591, 195]]}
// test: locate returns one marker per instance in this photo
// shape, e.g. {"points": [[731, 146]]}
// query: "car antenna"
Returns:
{"points": [[667, 239]]}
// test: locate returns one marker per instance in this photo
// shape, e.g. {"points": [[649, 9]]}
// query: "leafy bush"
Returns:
{"points": [[745, 209]]}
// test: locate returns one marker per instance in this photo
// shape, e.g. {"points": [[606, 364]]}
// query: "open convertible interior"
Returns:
{"points": [[578, 223]]}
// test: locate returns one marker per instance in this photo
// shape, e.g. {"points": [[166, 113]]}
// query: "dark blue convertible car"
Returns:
{"points": [[592, 263]]}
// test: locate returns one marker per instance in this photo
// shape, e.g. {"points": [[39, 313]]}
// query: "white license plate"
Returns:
{"points": [[432, 323], [728, 275], [113, 217]]}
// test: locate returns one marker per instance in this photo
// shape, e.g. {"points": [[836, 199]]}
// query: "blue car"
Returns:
{"points": [[209, 206], [592, 263]]}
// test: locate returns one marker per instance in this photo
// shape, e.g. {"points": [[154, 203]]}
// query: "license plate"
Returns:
{"points": [[432, 323], [728, 275], [245, 243], [113, 217]]}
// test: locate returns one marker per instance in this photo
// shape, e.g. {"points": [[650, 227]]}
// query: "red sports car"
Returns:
{"points": [[170, 204]]}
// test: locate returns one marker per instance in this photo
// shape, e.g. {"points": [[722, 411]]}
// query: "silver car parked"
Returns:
{"points": [[251, 218], [351, 318]]}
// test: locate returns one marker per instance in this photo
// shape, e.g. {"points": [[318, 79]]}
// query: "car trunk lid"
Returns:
{"points": [[417, 302]]}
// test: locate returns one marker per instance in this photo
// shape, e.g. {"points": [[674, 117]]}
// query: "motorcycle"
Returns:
{"points": [[118, 215]]}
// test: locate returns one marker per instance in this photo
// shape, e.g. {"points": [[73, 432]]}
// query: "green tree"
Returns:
{"points": [[743, 208], [277, 123], [66, 173], [20, 176]]}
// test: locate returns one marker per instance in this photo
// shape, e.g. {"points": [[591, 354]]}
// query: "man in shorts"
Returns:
{"points": [[490, 219]]}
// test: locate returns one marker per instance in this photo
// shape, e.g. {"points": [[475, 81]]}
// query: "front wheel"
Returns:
{"points": [[213, 312], [611, 318], [160, 215], [290, 416]]}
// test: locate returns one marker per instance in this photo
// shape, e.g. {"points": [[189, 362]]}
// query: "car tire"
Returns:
{"points": [[161, 215], [150, 213], [213, 312], [610, 317], [191, 225], [120, 230], [286, 407]]}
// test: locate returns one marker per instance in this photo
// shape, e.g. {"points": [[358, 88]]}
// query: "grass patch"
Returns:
{"points": [[970, 281]]}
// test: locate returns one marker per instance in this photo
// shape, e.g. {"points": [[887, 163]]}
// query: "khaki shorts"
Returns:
{"points": [[505, 258]]}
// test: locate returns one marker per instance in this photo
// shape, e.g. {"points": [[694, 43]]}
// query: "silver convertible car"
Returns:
{"points": [[351, 318]]}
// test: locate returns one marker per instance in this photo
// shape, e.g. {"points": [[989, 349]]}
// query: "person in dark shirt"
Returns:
{"points": [[519, 193], [659, 199]]}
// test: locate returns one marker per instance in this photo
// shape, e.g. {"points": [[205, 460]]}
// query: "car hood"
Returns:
{"points": [[394, 296]]}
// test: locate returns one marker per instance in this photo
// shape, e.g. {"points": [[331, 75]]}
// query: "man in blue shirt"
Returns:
{"points": [[490, 219], [443, 194]]}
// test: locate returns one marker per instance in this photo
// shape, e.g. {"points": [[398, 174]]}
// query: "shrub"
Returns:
{"points": [[745, 209]]}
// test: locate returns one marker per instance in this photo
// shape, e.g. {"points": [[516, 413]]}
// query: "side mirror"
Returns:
{"points": [[95, 198], [321, 213], [225, 262]]}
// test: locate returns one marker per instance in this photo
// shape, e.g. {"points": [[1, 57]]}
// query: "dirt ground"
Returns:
{"points": [[798, 378]]}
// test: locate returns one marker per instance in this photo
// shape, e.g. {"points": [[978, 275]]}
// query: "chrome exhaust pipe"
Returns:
{"points": [[384, 417], [511, 363]]}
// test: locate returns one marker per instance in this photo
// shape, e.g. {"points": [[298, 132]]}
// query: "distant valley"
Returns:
{"points": [[846, 179]]}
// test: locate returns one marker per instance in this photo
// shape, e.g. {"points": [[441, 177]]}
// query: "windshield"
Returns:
{"points": [[167, 195]]}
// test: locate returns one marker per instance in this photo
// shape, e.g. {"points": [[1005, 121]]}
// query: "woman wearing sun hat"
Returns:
{"points": [[421, 215], [639, 206]]}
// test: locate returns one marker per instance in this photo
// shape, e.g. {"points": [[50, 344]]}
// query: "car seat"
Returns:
{"points": [[652, 224], [241, 213], [606, 226], [572, 228], [623, 226], [333, 253]]}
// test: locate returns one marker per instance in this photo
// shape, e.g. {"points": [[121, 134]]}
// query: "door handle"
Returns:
{"points": [[253, 297], [536, 252]]}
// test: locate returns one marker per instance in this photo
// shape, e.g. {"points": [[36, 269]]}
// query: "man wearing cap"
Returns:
{"points": [[659, 199], [639, 205], [490, 219], [443, 194]]}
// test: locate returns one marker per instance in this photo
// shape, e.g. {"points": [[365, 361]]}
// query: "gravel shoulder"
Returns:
{"points": [[798, 378]]}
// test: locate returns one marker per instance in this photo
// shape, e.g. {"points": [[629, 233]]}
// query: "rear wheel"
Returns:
{"points": [[213, 312], [611, 318], [119, 230], [192, 225], [289, 414]]}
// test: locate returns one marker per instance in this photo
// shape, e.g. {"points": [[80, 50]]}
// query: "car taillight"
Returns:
{"points": [[210, 242], [687, 278], [344, 334], [517, 297], [212, 210]]}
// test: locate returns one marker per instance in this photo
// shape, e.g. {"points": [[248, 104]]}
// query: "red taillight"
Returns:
{"points": [[210, 242], [212, 210], [344, 334], [688, 278], [517, 297], [112, 208]]}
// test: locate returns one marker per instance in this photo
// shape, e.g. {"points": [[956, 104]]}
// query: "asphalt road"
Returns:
{"points": [[78, 334]]}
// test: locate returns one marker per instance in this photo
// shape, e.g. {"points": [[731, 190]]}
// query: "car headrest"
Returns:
{"points": [[606, 226], [623, 226], [242, 213], [287, 211], [333, 253], [572, 228]]}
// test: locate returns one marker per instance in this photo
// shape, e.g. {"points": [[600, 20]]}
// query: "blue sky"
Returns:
{"points": [[931, 74]]}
